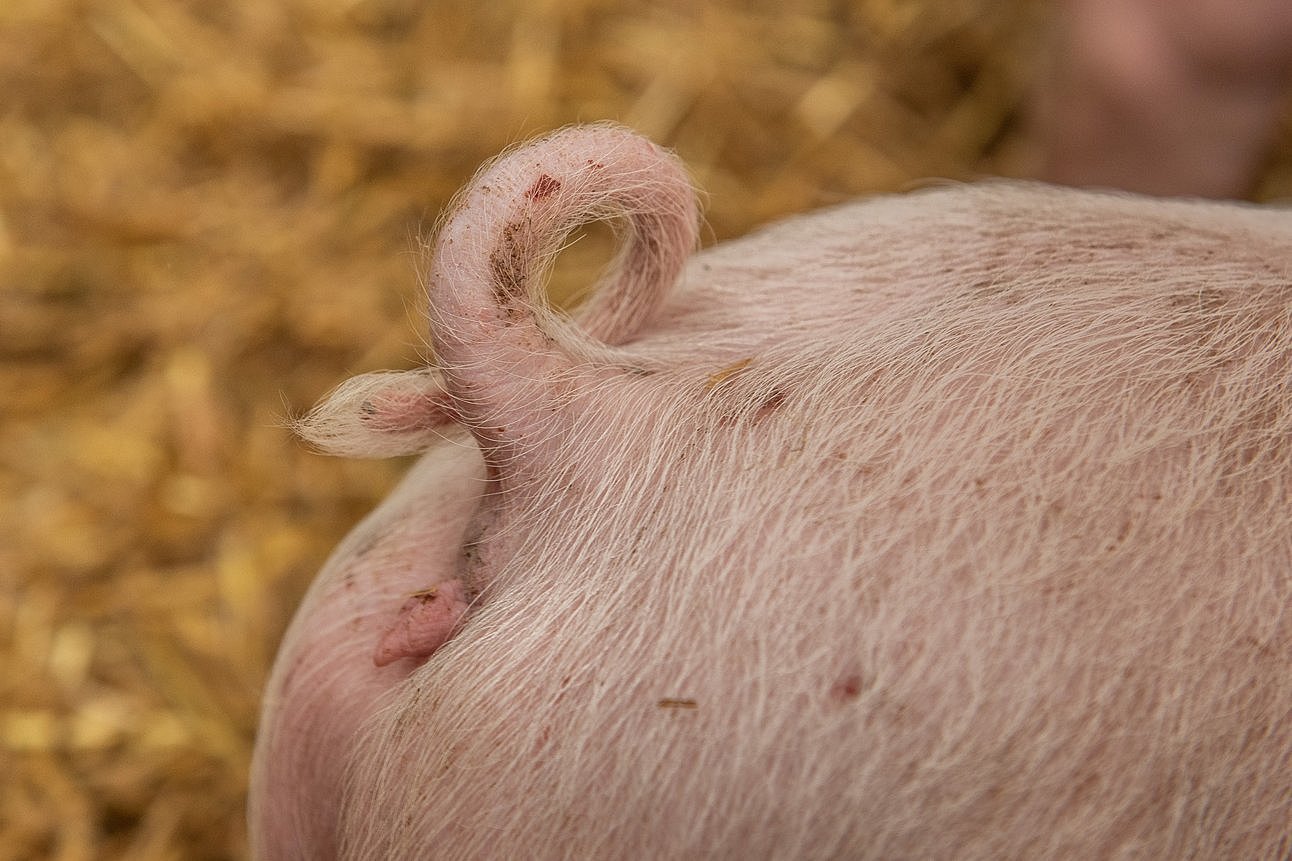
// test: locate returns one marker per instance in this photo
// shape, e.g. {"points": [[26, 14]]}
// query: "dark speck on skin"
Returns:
{"points": [[674, 703], [544, 186], [846, 688]]}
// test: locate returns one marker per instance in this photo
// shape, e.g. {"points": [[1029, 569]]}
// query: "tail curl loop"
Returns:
{"points": [[496, 341]]}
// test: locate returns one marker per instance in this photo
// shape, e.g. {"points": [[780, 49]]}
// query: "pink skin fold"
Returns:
{"points": [[325, 686], [426, 621]]}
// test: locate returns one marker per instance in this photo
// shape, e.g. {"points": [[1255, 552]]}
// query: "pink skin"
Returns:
{"points": [[484, 286], [397, 414], [953, 524], [325, 684], [1167, 97], [527, 205], [400, 586], [426, 621]]}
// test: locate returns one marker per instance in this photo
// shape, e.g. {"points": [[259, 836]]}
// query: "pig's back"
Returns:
{"points": [[950, 525]]}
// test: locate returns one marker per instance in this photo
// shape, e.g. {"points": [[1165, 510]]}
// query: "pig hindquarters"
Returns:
{"points": [[949, 525]]}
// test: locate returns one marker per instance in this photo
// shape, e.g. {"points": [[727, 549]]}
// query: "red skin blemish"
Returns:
{"points": [[846, 688], [544, 186], [425, 622], [770, 404]]}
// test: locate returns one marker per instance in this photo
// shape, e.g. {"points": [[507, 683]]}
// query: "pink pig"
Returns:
{"points": [[950, 525]]}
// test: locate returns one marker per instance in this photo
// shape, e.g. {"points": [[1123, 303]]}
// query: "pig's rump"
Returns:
{"points": [[951, 525]]}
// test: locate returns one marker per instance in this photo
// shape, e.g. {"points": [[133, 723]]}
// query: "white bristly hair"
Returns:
{"points": [[949, 525]]}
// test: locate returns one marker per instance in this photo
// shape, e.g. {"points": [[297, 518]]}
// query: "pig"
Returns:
{"points": [[1168, 97], [952, 524]]}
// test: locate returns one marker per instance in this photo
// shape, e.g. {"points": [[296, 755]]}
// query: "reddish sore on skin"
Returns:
{"points": [[424, 623], [543, 187]]}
